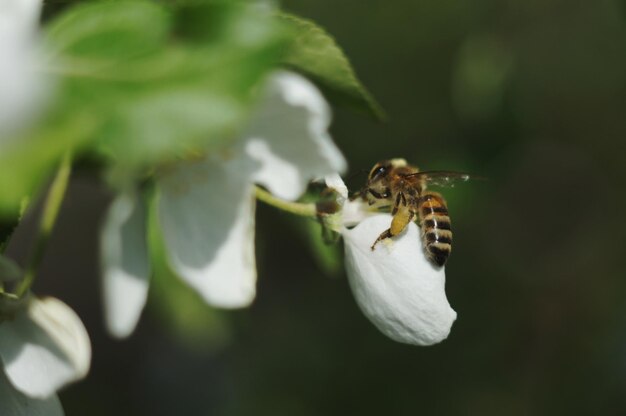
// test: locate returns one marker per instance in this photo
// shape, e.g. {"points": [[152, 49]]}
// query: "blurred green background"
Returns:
{"points": [[528, 93]]}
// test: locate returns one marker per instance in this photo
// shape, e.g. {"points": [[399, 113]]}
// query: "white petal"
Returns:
{"points": [[334, 181], [125, 264], [44, 347], [288, 136], [206, 211], [395, 285], [21, 87], [14, 403], [18, 19], [356, 211]]}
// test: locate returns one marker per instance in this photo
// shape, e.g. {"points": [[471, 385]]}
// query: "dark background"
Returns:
{"points": [[528, 93]]}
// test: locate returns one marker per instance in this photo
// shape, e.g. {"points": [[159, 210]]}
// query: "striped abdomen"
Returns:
{"points": [[436, 229]]}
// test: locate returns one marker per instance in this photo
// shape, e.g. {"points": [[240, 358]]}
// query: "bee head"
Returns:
{"points": [[378, 181], [381, 170]]}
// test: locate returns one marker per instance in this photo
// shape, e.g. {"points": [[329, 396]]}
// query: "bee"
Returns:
{"points": [[397, 185]]}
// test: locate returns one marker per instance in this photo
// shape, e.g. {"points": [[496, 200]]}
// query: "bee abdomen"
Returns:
{"points": [[438, 253], [436, 228]]}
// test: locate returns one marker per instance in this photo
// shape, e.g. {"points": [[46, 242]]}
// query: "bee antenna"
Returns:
{"points": [[358, 172]]}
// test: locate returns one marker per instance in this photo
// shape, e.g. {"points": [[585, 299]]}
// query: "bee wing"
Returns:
{"points": [[442, 177]]}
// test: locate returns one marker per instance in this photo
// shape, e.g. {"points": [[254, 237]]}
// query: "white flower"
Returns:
{"points": [[396, 286], [15, 403], [206, 207], [126, 269], [22, 88], [43, 346]]}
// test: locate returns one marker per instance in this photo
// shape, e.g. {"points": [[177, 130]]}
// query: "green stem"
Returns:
{"points": [[49, 214], [305, 210]]}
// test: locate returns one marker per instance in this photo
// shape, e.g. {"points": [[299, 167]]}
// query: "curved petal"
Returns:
{"points": [[206, 211], [288, 136], [396, 286], [44, 347], [334, 181], [14, 403], [125, 264]]}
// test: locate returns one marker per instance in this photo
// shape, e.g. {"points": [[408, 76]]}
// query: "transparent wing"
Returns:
{"points": [[442, 177]]}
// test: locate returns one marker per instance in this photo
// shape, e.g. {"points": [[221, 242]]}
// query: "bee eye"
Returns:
{"points": [[378, 172]]}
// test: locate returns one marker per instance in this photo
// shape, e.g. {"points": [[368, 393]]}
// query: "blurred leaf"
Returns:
{"points": [[25, 162], [7, 227], [315, 53], [180, 308], [162, 86], [138, 86], [10, 223], [109, 30]]}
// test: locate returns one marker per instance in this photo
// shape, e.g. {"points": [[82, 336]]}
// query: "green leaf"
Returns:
{"points": [[26, 161], [315, 53], [140, 83], [115, 30], [7, 227], [176, 79]]}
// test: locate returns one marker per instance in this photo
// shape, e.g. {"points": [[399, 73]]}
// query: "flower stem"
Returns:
{"points": [[49, 214], [298, 208]]}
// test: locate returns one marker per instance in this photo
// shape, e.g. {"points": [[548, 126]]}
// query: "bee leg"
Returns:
{"points": [[402, 215], [385, 234], [386, 193]]}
